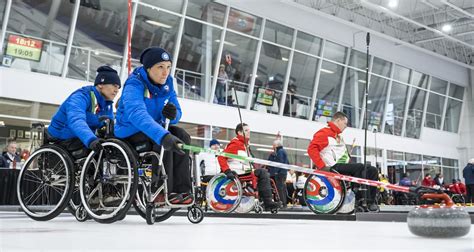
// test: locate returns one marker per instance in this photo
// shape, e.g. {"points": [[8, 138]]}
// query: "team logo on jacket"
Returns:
{"points": [[165, 56], [167, 88]]}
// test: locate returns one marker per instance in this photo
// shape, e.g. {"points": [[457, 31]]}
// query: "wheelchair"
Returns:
{"points": [[326, 195], [48, 181], [240, 194], [151, 201]]}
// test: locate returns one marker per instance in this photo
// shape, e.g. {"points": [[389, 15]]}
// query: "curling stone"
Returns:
{"points": [[440, 221]]}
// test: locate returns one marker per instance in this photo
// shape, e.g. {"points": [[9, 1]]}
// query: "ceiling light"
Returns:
{"points": [[326, 71], [447, 27], [225, 42], [158, 24], [362, 81], [284, 59], [393, 4]]}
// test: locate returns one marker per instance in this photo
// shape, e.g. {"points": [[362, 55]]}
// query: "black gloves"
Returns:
{"points": [[96, 145], [230, 174], [169, 111], [170, 143]]}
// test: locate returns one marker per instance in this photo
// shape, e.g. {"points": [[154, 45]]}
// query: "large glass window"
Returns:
{"points": [[395, 166], [278, 33], [376, 102], [206, 10], [2, 10], [438, 85], [99, 38], [414, 166], [174, 5], [238, 57], [335, 52], [401, 73], [396, 109], [102, 28], [358, 60], [47, 21], [419, 79], [327, 97], [244, 22], [301, 85], [154, 28], [456, 91], [434, 112], [308, 43], [271, 74], [381, 67], [353, 96], [453, 113], [415, 113], [431, 165], [197, 60]]}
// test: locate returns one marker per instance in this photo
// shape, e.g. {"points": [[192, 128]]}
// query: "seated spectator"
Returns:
{"points": [[428, 181], [11, 157]]}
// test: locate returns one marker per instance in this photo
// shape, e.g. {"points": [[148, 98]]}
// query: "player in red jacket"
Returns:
{"points": [[328, 151], [233, 168]]}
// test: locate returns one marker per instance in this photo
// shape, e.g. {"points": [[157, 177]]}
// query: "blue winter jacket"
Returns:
{"points": [[78, 116], [280, 157], [468, 174], [141, 104]]}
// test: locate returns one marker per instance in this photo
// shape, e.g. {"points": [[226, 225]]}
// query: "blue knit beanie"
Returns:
{"points": [[214, 141], [107, 75], [153, 55]]}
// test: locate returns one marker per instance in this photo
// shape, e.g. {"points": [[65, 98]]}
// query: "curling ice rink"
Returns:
{"points": [[19, 233]]}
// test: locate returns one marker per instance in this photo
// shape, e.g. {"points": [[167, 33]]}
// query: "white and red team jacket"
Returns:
{"points": [[236, 146], [327, 147]]}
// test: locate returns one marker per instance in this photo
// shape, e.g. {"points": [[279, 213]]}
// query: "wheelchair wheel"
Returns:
{"points": [[246, 205], [161, 213], [108, 188], [324, 195], [195, 214], [45, 183], [81, 214], [223, 195], [150, 214]]}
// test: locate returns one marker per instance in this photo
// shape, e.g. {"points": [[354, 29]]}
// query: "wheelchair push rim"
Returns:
{"points": [[223, 195], [324, 195]]}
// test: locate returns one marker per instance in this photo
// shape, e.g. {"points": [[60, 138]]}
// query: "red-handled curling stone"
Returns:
{"points": [[443, 221]]}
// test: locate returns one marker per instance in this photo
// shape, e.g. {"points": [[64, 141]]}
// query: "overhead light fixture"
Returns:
{"points": [[284, 59], [326, 71], [225, 42], [362, 81], [156, 23], [393, 4], [446, 27]]}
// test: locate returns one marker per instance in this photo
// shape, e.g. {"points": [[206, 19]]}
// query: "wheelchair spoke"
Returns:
{"points": [[33, 176], [27, 199]]}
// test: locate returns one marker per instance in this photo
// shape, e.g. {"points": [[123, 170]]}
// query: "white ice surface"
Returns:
{"points": [[19, 233]]}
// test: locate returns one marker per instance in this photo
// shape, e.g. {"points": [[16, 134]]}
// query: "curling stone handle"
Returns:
{"points": [[443, 196]]}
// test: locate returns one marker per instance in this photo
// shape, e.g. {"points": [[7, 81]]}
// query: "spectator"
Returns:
{"points": [[439, 180], [428, 181], [405, 181], [221, 86], [468, 174], [290, 189], [209, 165], [278, 174], [11, 157]]}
